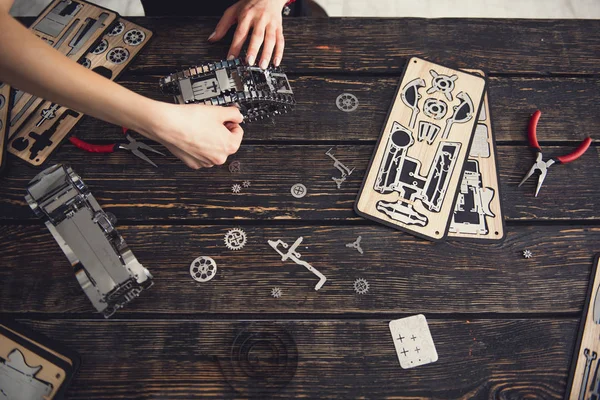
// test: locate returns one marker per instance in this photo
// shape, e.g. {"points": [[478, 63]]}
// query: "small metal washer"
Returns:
{"points": [[298, 190], [203, 269], [346, 102]]}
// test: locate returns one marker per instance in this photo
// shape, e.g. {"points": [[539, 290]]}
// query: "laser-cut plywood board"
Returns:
{"points": [[584, 381], [416, 169], [37, 139], [4, 112], [478, 212]]}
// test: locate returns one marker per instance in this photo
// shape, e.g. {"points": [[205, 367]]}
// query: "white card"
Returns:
{"points": [[413, 341]]}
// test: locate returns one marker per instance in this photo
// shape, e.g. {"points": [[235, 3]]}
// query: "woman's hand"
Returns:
{"points": [[199, 135], [265, 20]]}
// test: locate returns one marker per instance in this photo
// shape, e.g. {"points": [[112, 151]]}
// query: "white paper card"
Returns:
{"points": [[413, 341]]}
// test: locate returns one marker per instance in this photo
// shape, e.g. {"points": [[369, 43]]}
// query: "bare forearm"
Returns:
{"points": [[36, 68]]}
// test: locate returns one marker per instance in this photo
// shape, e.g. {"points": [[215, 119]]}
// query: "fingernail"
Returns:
{"points": [[276, 61], [212, 35], [251, 60], [230, 57], [264, 64]]}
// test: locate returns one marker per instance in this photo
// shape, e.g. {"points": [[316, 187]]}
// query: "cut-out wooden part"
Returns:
{"points": [[478, 210], [584, 381], [4, 114], [414, 175], [45, 130]]}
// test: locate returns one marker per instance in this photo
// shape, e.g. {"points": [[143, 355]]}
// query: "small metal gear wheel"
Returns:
{"points": [[236, 188], [276, 292], [527, 253], [101, 47], [134, 37], [117, 30], [203, 269], [361, 286], [346, 102], [246, 184], [235, 167], [118, 55], [298, 190], [235, 239], [86, 63]]}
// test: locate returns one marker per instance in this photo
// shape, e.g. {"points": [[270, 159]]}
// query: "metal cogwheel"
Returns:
{"points": [[298, 190], [361, 286], [203, 269], [346, 102], [235, 239], [118, 55], [276, 292], [117, 30], [527, 253], [134, 37], [101, 47], [86, 63], [246, 184], [236, 188]]}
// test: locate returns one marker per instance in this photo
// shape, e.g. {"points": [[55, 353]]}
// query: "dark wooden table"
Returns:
{"points": [[504, 326]]}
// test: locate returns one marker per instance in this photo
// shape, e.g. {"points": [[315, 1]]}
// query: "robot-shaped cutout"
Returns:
{"points": [[442, 83], [18, 380], [401, 173]]}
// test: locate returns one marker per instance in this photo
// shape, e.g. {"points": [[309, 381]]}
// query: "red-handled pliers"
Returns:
{"points": [[131, 145], [542, 166]]}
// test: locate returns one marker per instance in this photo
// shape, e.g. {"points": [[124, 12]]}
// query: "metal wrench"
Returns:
{"points": [[586, 371]]}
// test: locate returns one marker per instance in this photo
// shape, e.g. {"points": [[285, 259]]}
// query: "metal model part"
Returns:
{"points": [[235, 167], [85, 62], [276, 292], [118, 55], [442, 83], [236, 188], [235, 239], [101, 47], [298, 190], [105, 267], [58, 18], [258, 93], [346, 102], [527, 253], [18, 380], [134, 37], [340, 167], [427, 131], [117, 29], [463, 112], [85, 32], [246, 184], [410, 97], [435, 108], [589, 358], [361, 286], [293, 255], [356, 245], [48, 113], [203, 269]]}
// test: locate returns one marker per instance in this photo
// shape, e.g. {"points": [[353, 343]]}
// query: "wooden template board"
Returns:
{"points": [[71, 27], [584, 381], [4, 108], [478, 210], [416, 169], [45, 131]]}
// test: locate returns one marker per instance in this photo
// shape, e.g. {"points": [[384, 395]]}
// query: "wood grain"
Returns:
{"points": [[4, 107], [181, 359], [136, 191], [405, 273]]}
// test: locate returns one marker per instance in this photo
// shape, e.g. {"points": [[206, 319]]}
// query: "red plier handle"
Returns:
{"points": [[95, 148], [533, 142]]}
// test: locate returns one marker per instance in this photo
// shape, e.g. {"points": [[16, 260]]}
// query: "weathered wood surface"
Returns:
{"points": [[406, 274], [181, 359], [134, 190]]}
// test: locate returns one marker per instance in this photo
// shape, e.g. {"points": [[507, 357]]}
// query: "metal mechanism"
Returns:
{"points": [[134, 37], [118, 55], [235, 239], [258, 93], [442, 83], [361, 286], [346, 102], [293, 255], [356, 245], [340, 167], [276, 292], [298, 190], [105, 267], [203, 269], [527, 253], [18, 380]]}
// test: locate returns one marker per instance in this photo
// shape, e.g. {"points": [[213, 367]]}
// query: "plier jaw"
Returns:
{"points": [[540, 166]]}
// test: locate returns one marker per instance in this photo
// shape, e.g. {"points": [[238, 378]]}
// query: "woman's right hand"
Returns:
{"points": [[200, 135]]}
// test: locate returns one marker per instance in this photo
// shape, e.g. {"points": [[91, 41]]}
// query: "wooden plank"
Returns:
{"points": [[383, 45], [336, 359], [405, 273], [134, 190], [569, 106]]}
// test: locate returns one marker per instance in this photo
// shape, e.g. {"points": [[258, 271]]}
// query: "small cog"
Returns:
{"points": [[246, 184], [361, 286], [236, 188], [235, 239], [276, 292], [203, 269], [527, 253]]}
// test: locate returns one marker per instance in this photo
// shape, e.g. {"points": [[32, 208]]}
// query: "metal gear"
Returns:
{"points": [[276, 292], [346, 102], [361, 286], [527, 253], [117, 29], [203, 269], [236, 188], [118, 55], [101, 47], [134, 37], [235, 239], [235, 167], [246, 184], [298, 190]]}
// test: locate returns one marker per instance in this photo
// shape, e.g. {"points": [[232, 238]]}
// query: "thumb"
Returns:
{"points": [[229, 18], [231, 114]]}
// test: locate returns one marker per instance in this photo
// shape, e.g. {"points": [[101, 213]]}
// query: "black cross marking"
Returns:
{"points": [[215, 87], [404, 351], [417, 349], [414, 337], [400, 337]]}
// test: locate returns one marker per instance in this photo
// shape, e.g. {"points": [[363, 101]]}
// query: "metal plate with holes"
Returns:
{"points": [[346, 102], [134, 37], [118, 55], [101, 47], [117, 30], [203, 269], [298, 190]]}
